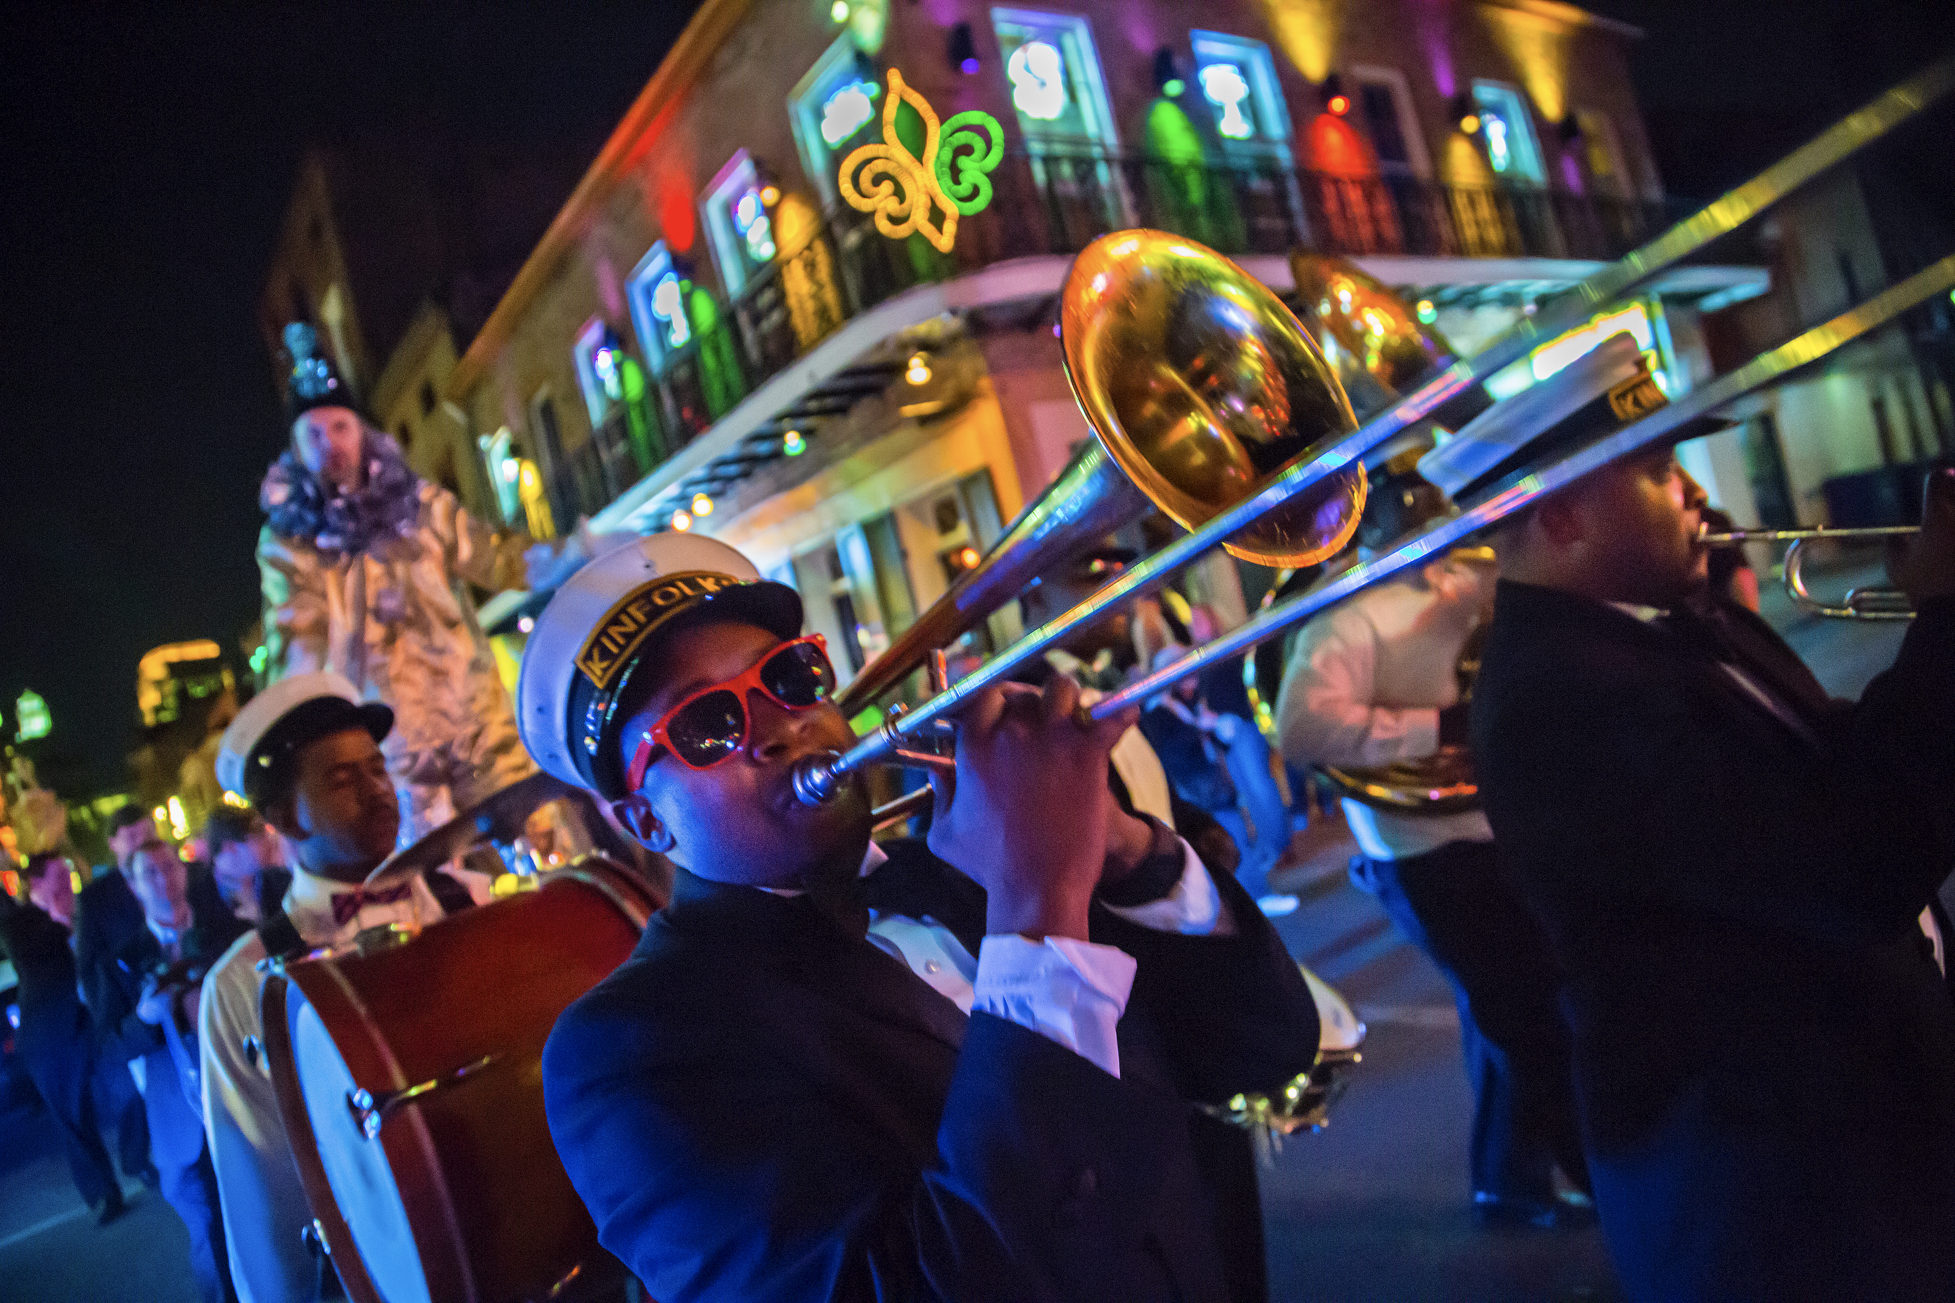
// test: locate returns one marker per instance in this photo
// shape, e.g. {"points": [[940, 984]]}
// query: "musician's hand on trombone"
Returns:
{"points": [[1027, 813], [1922, 564]]}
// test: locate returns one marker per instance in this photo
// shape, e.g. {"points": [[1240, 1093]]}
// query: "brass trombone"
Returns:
{"points": [[1859, 603], [1110, 327]]}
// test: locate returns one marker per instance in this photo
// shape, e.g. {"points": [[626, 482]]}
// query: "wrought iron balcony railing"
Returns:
{"points": [[1056, 203]]}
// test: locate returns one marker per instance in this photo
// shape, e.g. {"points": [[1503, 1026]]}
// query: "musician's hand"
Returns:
{"points": [[1027, 817], [1923, 566], [154, 1006]]}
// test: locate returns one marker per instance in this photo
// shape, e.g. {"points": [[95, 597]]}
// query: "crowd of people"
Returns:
{"points": [[996, 1060]]}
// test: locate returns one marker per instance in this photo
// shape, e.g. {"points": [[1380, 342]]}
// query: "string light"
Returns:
{"points": [[840, 11], [1427, 313], [793, 444], [525, 624], [1339, 104], [919, 370], [702, 506], [681, 521]]}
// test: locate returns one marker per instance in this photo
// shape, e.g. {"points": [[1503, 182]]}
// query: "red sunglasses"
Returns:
{"points": [[710, 726]]}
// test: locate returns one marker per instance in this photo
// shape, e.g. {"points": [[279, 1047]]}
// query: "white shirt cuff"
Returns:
{"points": [[1071, 992], [1194, 908]]}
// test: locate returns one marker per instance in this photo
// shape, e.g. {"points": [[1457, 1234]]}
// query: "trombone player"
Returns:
{"points": [[1729, 866], [1376, 680], [834, 1071]]}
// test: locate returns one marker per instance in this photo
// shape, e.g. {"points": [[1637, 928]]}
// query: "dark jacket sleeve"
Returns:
{"points": [[1607, 764], [1232, 1014], [713, 1174], [111, 997]]}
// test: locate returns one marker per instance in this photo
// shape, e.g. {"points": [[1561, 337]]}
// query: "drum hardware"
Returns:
{"points": [[1859, 603], [370, 1111], [373, 940], [1305, 1100]]}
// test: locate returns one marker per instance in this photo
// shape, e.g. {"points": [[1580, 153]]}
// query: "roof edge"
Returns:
{"points": [[1574, 16], [675, 74]]}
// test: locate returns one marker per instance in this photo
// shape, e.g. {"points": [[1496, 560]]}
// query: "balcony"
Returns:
{"points": [[1055, 204]]}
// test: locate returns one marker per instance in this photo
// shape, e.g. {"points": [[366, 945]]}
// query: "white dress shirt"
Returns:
{"points": [[1069, 991], [1364, 686], [265, 1209]]}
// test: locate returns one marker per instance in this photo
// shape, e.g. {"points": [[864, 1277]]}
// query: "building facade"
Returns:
{"points": [[709, 337]]}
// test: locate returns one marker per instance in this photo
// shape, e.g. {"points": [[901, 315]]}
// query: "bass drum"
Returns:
{"points": [[409, 1076]]}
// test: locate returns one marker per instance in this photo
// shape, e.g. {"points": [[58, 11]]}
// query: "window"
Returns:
{"points": [[1384, 110], [1056, 86], [658, 305], [599, 357], [1238, 80], [738, 224], [1507, 132], [505, 470], [833, 109], [1601, 153]]}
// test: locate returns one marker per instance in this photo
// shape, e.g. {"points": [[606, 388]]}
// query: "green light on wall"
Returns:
{"points": [[32, 712]]}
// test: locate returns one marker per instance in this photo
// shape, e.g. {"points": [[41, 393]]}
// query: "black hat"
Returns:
{"points": [[313, 382], [258, 754]]}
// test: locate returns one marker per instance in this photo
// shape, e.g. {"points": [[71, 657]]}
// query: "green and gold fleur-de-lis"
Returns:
{"points": [[911, 195]]}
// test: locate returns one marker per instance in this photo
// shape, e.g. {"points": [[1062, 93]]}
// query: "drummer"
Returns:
{"points": [[306, 753], [761, 1105]]}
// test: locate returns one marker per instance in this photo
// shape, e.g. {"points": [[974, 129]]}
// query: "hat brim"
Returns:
{"points": [[1538, 457], [761, 603], [268, 770]]}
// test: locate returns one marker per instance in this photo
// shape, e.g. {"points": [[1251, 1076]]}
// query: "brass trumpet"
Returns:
{"points": [[1859, 603]]}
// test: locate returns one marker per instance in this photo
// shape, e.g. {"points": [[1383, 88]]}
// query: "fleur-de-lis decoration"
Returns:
{"points": [[911, 195]]}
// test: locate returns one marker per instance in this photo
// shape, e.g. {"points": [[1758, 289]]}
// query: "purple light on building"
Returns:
{"points": [[1430, 17]]}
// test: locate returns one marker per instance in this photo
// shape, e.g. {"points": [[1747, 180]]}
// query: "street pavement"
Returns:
{"points": [[1374, 1209]]}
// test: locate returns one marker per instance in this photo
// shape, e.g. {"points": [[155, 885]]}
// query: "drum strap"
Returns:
{"points": [[281, 939], [451, 895]]}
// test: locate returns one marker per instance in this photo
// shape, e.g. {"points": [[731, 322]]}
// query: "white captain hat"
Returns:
{"points": [[592, 640], [256, 753], [1599, 393]]}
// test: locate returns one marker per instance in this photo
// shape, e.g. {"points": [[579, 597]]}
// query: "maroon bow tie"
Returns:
{"points": [[347, 904]]}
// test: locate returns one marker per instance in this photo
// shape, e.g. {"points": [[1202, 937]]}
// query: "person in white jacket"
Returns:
{"points": [[1376, 680], [308, 754]]}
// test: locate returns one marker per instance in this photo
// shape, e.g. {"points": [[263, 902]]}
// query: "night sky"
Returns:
{"points": [[148, 156]]}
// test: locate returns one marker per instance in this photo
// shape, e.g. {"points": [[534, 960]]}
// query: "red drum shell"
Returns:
{"points": [[492, 1214]]}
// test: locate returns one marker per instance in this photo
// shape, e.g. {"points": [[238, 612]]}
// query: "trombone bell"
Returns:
{"points": [[1202, 386]]}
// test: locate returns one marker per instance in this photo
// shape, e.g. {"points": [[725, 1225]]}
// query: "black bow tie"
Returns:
{"points": [[844, 904]]}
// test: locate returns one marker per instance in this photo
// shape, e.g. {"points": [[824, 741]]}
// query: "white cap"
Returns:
{"points": [[1497, 437], [592, 636], [255, 741]]}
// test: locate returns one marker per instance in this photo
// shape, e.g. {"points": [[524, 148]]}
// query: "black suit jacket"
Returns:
{"points": [[1732, 891], [116, 952], [53, 1024], [758, 1105]]}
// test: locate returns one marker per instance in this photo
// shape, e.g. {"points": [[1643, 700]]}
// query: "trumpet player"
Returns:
{"points": [[832, 1070], [1376, 680], [1729, 866]]}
